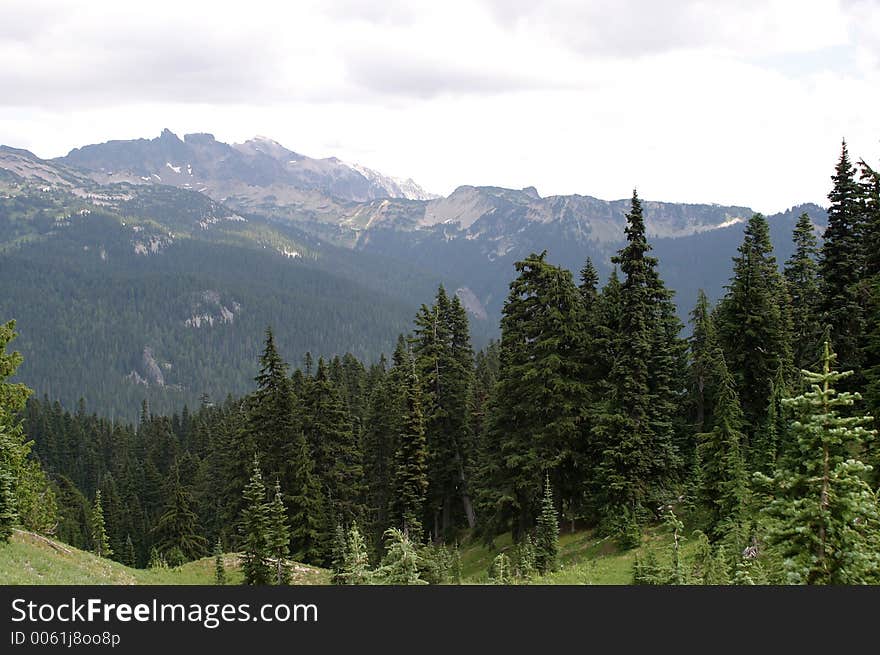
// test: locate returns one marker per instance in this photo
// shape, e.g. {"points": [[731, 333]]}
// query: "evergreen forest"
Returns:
{"points": [[750, 431]]}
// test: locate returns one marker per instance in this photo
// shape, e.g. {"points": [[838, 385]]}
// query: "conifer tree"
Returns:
{"points": [[13, 448], [382, 425], [254, 528], [444, 364], [547, 533], [709, 565], [753, 324], [338, 460], [356, 563], [526, 564], [129, 558], [633, 428], [100, 543], [722, 474], [501, 570], [8, 513], [305, 503], [535, 425], [841, 267], [278, 537], [401, 563], [410, 474], [271, 421], [177, 528], [589, 284], [771, 439], [801, 278], [870, 293], [704, 350], [823, 515], [337, 557], [219, 566]]}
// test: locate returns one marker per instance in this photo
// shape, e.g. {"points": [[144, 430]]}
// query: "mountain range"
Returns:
{"points": [[335, 256]]}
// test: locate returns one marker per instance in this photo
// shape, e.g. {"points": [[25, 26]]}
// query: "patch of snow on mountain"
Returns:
{"points": [[730, 221], [394, 187], [176, 169]]}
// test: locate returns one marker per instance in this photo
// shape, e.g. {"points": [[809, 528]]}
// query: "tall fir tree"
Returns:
{"points": [[382, 425], [13, 448], [870, 293], [753, 324], [824, 517], [335, 448], [254, 528], [410, 461], [178, 527], [589, 286], [547, 532], [278, 537], [219, 565], [633, 428], [100, 543], [703, 364], [444, 364], [841, 268], [305, 503], [801, 278], [722, 475], [536, 421], [271, 420]]}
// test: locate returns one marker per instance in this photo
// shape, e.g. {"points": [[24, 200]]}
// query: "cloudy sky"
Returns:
{"points": [[732, 102]]}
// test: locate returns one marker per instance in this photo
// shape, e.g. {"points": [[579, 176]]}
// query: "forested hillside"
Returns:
{"points": [[753, 437], [125, 293]]}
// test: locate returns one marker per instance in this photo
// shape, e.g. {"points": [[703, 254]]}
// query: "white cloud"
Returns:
{"points": [[739, 103]]}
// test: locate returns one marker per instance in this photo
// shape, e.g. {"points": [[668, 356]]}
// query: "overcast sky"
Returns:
{"points": [[731, 102]]}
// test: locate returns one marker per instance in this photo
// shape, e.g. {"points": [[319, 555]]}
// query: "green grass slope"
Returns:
{"points": [[584, 559], [32, 559]]}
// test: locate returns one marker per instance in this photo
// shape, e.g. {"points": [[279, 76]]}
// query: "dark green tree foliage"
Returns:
{"points": [[633, 428], [13, 449], [356, 560], [401, 563], [709, 565], [278, 537], [589, 286], [823, 515], [540, 398], [722, 475], [305, 503], [383, 417], [753, 325], [771, 440], [178, 527], [254, 528], [841, 267], [410, 461], [219, 565], [547, 533], [271, 419], [128, 556], [8, 504], [703, 364], [801, 278], [335, 448], [337, 556], [444, 364], [100, 544], [870, 291]]}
